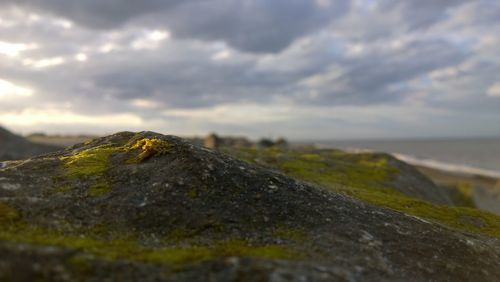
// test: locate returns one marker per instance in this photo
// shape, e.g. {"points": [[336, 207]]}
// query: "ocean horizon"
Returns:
{"points": [[474, 156]]}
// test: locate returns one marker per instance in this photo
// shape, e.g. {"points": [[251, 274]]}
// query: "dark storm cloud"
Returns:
{"points": [[98, 14], [255, 26]]}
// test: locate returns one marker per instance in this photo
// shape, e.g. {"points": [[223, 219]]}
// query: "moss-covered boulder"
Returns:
{"points": [[148, 207], [332, 168]]}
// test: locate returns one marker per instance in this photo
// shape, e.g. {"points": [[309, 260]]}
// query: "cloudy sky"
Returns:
{"points": [[305, 69]]}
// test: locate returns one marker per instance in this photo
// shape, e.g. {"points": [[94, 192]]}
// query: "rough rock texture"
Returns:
{"points": [[148, 207], [13, 147], [411, 182], [362, 170]]}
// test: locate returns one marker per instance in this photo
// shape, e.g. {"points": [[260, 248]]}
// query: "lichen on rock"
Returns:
{"points": [[90, 162], [150, 147]]}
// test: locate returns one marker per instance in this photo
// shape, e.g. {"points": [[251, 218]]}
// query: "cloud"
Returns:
{"points": [[251, 25], [230, 65], [387, 18], [255, 26], [381, 74], [8, 89], [96, 14], [494, 90]]}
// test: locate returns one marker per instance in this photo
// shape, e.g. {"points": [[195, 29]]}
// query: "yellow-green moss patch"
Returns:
{"points": [[467, 219], [295, 234], [150, 147], [8, 214], [367, 177], [312, 157], [131, 250], [356, 170], [91, 162], [463, 195], [62, 189], [99, 189]]}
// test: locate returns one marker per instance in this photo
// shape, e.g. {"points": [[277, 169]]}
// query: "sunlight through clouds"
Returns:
{"points": [[494, 90], [44, 63], [81, 57], [31, 117], [8, 89], [150, 40], [14, 49]]}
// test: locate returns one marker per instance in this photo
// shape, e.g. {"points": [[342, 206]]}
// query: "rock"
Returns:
{"points": [[281, 143], [265, 143], [148, 207], [366, 171], [411, 182], [212, 141], [13, 147]]}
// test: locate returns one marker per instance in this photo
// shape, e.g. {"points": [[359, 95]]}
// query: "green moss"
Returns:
{"points": [[244, 153], [368, 177], [99, 189], [131, 250], [365, 176], [8, 214], [467, 219], [360, 170], [94, 163], [62, 189], [463, 195], [312, 157], [91, 162], [295, 234], [192, 194], [243, 248], [178, 255]]}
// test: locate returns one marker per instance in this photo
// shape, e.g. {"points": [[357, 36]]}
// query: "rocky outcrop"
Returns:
{"points": [[148, 207], [13, 147], [330, 167]]}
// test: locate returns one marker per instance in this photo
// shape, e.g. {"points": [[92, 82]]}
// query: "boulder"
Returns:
{"points": [[149, 207]]}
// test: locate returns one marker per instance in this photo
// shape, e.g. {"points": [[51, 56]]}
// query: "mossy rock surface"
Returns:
{"points": [[149, 207], [331, 167]]}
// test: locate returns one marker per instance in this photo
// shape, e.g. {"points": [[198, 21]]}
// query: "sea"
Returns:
{"points": [[474, 156]]}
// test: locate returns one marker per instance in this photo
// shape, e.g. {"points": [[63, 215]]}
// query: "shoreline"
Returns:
{"points": [[485, 189], [483, 185], [451, 168]]}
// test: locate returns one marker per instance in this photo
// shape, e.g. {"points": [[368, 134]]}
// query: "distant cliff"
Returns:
{"points": [[14, 147]]}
